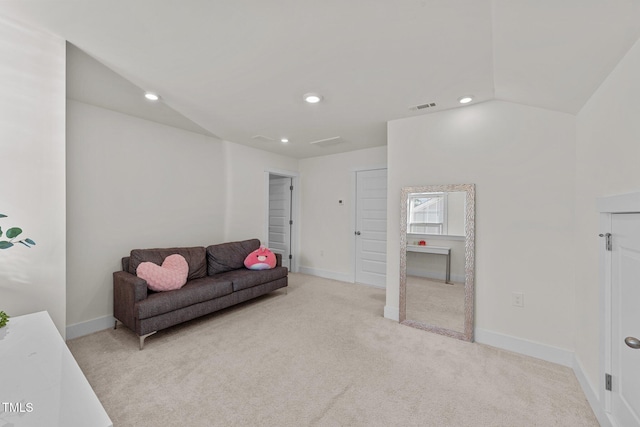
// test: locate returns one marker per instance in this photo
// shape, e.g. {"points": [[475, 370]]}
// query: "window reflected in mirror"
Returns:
{"points": [[427, 213], [439, 213]]}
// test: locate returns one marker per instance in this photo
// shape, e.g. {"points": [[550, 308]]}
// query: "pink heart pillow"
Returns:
{"points": [[171, 275]]}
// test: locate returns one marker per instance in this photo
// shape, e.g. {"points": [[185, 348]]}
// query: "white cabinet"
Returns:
{"points": [[41, 383]]}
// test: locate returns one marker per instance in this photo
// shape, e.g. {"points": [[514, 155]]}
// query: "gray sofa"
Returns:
{"points": [[217, 279]]}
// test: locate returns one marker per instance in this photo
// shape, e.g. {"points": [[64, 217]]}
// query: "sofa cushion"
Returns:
{"points": [[229, 256], [171, 275], [244, 278], [193, 292], [196, 258]]}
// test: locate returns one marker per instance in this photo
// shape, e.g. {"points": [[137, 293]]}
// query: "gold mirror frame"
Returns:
{"points": [[469, 255]]}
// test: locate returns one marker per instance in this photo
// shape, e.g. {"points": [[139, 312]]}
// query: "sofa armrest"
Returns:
{"points": [[278, 259], [127, 290]]}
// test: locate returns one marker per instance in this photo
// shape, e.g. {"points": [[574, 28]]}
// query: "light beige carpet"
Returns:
{"points": [[435, 303], [322, 355]]}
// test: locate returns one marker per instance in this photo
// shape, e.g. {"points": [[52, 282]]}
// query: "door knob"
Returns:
{"points": [[632, 342], [357, 233]]}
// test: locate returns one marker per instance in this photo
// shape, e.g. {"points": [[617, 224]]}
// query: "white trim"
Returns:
{"points": [[538, 350], [265, 220], [90, 326], [607, 206], [591, 394], [354, 214], [392, 313], [622, 203], [435, 236], [604, 311], [352, 224], [295, 214], [282, 172], [367, 168], [325, 274]]}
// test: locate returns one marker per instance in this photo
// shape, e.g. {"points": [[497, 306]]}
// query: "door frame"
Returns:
{"points": [[295, 212], [608, 206], [354, 211]]}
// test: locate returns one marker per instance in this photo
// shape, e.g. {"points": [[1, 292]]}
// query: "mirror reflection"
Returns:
{"points": [[436, 286]]}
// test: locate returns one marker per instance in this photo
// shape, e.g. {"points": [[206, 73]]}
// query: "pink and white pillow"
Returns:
{"points": [[171, 275], [260, 259]]}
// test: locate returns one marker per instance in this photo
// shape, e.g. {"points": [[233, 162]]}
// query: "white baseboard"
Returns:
{"points": [[392, 313], [528, 348], [592, 395], [550, 354], [89, 327], [325, 274]]}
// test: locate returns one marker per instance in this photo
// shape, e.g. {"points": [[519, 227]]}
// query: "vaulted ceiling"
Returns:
{"points": [[238, 69]]}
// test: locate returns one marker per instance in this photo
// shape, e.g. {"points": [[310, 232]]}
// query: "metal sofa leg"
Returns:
{"points": [[142, 338], [115, 324]]}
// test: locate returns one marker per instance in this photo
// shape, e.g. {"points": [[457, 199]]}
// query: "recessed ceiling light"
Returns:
{"points": [[465, 99], [284, 140], [151, 96], [312, 98]]}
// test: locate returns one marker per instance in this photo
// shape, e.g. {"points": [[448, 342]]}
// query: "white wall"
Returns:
{"points": [[608, 149], [522, 160], [327, 239], [133, 183], [246, 202], [32, 177], [456, 213]]}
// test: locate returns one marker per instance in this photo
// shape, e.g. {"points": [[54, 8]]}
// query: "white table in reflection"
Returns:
{"points": [[440, 250], [41, 383]]}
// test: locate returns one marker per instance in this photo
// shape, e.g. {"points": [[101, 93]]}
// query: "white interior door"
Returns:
{"points": [[625, 319], [280, 217], [371, 227]]}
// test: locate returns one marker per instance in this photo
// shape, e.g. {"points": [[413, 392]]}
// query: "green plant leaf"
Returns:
{"points": [[5, 245], [2, 216], [14, 232], [24, 243], [0, 231], [4, 318], [29, 241]]}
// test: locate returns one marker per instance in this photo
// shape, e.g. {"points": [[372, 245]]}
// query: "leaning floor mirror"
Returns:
{"points": [[437, 259]]}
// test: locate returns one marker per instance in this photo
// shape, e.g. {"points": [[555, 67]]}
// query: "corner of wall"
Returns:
{"points": [[228, 158], [591, 393], [526, 347]]}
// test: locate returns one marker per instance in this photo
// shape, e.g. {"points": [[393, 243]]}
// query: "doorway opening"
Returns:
{"points": [[281, 224]]}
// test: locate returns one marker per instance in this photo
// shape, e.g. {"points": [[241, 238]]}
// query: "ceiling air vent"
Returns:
{"points": [[423, 106], [262, 138], [327, 141]]}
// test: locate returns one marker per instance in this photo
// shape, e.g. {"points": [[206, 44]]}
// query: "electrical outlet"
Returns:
{"points": [[517, 299]]}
